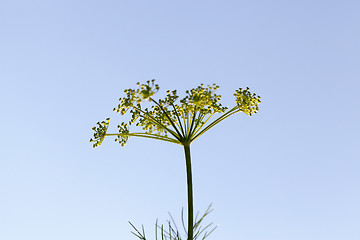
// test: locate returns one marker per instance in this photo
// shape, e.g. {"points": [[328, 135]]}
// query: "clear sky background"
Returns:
{"points": [[291, 172]]}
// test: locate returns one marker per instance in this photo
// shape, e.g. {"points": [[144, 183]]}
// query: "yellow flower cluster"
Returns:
{"points": [[247, 102], [100, 132], [183, 122]]}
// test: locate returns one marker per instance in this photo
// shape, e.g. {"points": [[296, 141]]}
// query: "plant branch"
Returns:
{"points": [[146, 135], [201, 124], [159, 123], [219, 119], [177, 115], [171, 122], [192, 125]]}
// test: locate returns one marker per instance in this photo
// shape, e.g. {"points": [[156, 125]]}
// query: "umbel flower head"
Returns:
{"points": [[167, 120], [100, 132]]}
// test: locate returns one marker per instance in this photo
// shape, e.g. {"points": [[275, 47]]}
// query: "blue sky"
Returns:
{"points": [[289, 172]]}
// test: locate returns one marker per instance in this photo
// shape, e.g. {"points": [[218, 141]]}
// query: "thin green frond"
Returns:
{"points": [[138, 233]]}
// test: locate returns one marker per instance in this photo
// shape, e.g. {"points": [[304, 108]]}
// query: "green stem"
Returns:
{"points": [[189, 192], [158, 123], [191, 127], [146, 135], [199, 124], [177, 115], [169, 119], [219, 119]]}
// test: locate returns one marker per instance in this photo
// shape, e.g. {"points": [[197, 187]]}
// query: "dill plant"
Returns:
{"points": [[179, 121]]}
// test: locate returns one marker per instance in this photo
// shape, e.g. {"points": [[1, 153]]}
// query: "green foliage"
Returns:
{"points": [[166, 120], [171, 232]]}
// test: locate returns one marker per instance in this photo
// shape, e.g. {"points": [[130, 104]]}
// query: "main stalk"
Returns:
{"points": [[190, 192]]}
